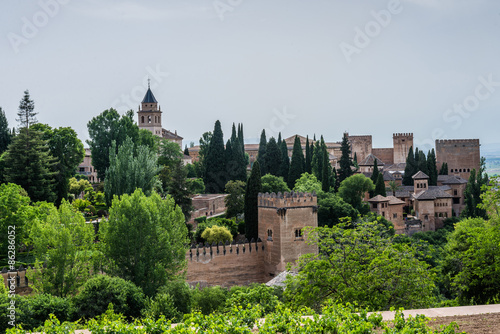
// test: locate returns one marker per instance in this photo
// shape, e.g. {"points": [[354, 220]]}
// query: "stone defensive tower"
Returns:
{"points": [[149, 114], [461, 155], [282, 218], [401, 144], [361, 145]]}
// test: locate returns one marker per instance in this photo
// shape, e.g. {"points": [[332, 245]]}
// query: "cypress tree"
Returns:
{"points": [[444, 169], [422, 163], [326, 181], [380, 186], [285, 161], [186, 150], [336, 181], [242, 139], [409, 168], [261, 155], [279, 140], [254, 186], [297, 163], [273, 157], [432, 168], [355, 161], [239, 167], [229, 159], [345, 162], [215, 162], [317, 161], [308, 157], [234, 138], [374, 176]]}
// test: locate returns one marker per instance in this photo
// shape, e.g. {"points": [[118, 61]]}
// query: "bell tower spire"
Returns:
{"points": [[149, 114]]}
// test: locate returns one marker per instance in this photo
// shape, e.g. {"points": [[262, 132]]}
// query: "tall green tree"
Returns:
{"points": [[317, 161], [345, 161], [29, 164], [285, 161], [296, 164], [308, 167], [103, 130], [422, 163], [238, 170], [179, 189], [65, 146], [332, 209], [64, 243], [251, 210], [380, 186], [145, 240], [261, 155], [307, 183], [476, 186], [235, 200], [26, 111], [4, 132], [274, 184], [360, 265], [128, 171], [240, 137], [353, 189], [202, 153], [326, 181], [410, 168], [215, 163], [444, 169], [273, 157], [169, 153], [432, 168]]}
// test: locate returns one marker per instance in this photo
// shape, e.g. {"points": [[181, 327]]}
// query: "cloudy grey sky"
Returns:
{"points": [[430, 67]]}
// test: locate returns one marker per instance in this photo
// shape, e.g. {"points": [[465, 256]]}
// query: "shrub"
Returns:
{"points": [[252, 295], [36, 309], [217, 234], [181, 295], [162, 305], [209, 299], [98, 292]]}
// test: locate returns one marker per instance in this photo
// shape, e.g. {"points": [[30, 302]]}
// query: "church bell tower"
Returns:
{"points": [[149, 114]]}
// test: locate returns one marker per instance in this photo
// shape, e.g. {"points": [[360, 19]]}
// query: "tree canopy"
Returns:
{"points": [[155, 257], [353, 189]]}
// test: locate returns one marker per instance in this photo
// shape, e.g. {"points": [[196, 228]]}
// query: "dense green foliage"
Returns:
{"points": [[273, 158], [273, 184], [216, 234], [128, 171], [99, 291], [5, 136], [235, 199], [285, 161], [307, 183], [251, 210], [345, 161], [145, 239], [475, 188], [103, 130], [29, 164], [353, 189], [332, 209], [359, 264], [411, 168]]}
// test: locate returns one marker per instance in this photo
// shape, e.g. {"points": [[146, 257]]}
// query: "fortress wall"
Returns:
{"points": [[384, 154], [461, 155], [361, 145], [226, 265]]}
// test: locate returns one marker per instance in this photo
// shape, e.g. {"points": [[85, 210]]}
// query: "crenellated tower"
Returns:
{"points": [[401, 144], [282, 218]]}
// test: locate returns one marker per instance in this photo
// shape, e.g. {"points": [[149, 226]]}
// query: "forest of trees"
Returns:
{"points": [[136, 258]]}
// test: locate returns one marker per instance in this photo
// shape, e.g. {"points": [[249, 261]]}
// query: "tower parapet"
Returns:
{"points": [[461, 155]]}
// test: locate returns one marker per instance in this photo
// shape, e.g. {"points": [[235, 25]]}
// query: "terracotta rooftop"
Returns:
{"points": [[370, 161]]}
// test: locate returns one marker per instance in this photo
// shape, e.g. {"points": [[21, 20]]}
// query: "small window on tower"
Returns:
{"points": [[149, 119], [298, 234], [142, 119]]}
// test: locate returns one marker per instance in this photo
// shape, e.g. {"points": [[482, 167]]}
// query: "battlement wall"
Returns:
{"points": [[451, 142], [226, 264], [287, 200], [361, 145], [396, 135]]}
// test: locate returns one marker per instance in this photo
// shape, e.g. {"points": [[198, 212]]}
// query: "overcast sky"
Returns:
{"points": [[429, 67]]}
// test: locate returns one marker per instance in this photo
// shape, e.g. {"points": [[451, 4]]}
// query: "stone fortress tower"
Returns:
{"points": [[461, 155], [401, 144], [282, 218]]}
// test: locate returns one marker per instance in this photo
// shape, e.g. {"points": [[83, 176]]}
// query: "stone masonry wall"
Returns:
{"points": [[461, 155]]}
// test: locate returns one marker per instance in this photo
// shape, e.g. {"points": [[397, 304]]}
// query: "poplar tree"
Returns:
{"points": [[285, 161], [297, 164], [261, 155], [253, 188], [273, 157], [432, 168], [345, 160], [308, 157], [215, 163]]}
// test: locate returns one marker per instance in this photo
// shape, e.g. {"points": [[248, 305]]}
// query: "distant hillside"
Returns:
{"points": [[492, 154]]}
